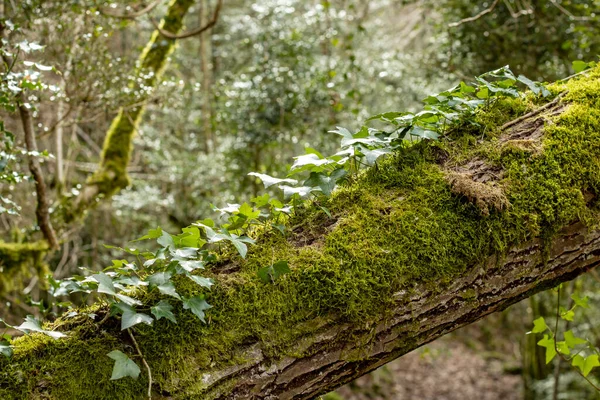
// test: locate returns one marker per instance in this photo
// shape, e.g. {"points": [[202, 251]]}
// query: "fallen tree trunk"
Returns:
{"points": [[431, 239]]}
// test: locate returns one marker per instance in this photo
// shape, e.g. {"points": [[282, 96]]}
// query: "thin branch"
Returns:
{"points": [[42, 214], [534, 112], [193, 32], [569, 13], [475, 17], [132, 15], [137, 347]]}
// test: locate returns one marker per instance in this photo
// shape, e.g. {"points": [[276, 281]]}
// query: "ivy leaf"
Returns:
{"points": [[196, 305], [131, 318], [539, 325], [32, 324], [573, 340], [563, 348], [273, 272], [586, 364], [162, 281], [202, 281], [580, 66], [106, 286], [165, 240], [301, 191], [548, 343], [309, 160], [269, 181], [567, 315], [163, 310], [124, 366], [191, 265], [152, 234], [5, 348], [581, 302]]}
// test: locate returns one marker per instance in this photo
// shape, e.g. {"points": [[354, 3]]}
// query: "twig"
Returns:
{"points": [[193, 32], [137, 347], [569, 13], [132, 15], [534, 112], [475, 17]]}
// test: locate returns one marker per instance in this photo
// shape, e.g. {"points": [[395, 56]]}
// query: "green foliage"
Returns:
{"points": [[579, 352], [124, 366]]}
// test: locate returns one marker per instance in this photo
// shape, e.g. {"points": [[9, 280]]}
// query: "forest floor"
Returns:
{"points": [[447, 369]]}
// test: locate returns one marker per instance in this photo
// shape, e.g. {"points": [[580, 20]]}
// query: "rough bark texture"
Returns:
{"points": [[416, 248], [340, 353]]}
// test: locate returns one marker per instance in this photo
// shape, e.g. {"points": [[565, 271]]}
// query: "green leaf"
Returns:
{"points": [[106, 286], [567, 315], [273, 272], [162, 281], [586, 364], [580, 66], [563, 348], [483, 93], [548, 343], [32, 324], [573, 340], [132, 318], [247, 210], [124, 366], [200, 280], [163, 310], [301, 191], [152, 234], [324, 182], [580, 302], [196, 305], [269, 181], [5, 348], [165, 240], [539, 325]]}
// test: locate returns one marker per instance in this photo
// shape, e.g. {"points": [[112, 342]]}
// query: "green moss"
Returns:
{"points": [[396, 226], [19, 261]]}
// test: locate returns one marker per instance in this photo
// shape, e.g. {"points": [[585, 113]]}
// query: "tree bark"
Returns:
{"points": [[334, 360]]}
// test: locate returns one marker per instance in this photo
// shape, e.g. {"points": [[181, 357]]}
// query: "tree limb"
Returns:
{"points": [[475, 17], [132, 15], [193, 32]]}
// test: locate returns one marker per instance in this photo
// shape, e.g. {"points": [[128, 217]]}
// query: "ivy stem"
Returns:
{"points": [[137, 347]]}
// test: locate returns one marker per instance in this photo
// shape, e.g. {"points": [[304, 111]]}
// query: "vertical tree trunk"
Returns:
{"points": [[118, 144], [206, 69]]}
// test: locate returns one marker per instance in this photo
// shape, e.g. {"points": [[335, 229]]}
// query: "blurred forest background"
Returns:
{"points": [[268, 80]]}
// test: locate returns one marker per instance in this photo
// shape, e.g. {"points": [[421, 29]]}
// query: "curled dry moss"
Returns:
{"points": [[397, 225]]}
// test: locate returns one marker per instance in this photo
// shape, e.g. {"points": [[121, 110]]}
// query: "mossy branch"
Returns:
{"points": [[111, 176], [405, 258]]}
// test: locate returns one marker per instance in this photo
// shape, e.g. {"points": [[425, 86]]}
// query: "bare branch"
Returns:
{"points": [[193, 32], [132, 15], [475, 17], [569, 13], [42, 214]]}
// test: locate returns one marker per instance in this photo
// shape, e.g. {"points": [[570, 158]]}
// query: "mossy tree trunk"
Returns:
{"points": [[116, 152], [435, 237]]}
